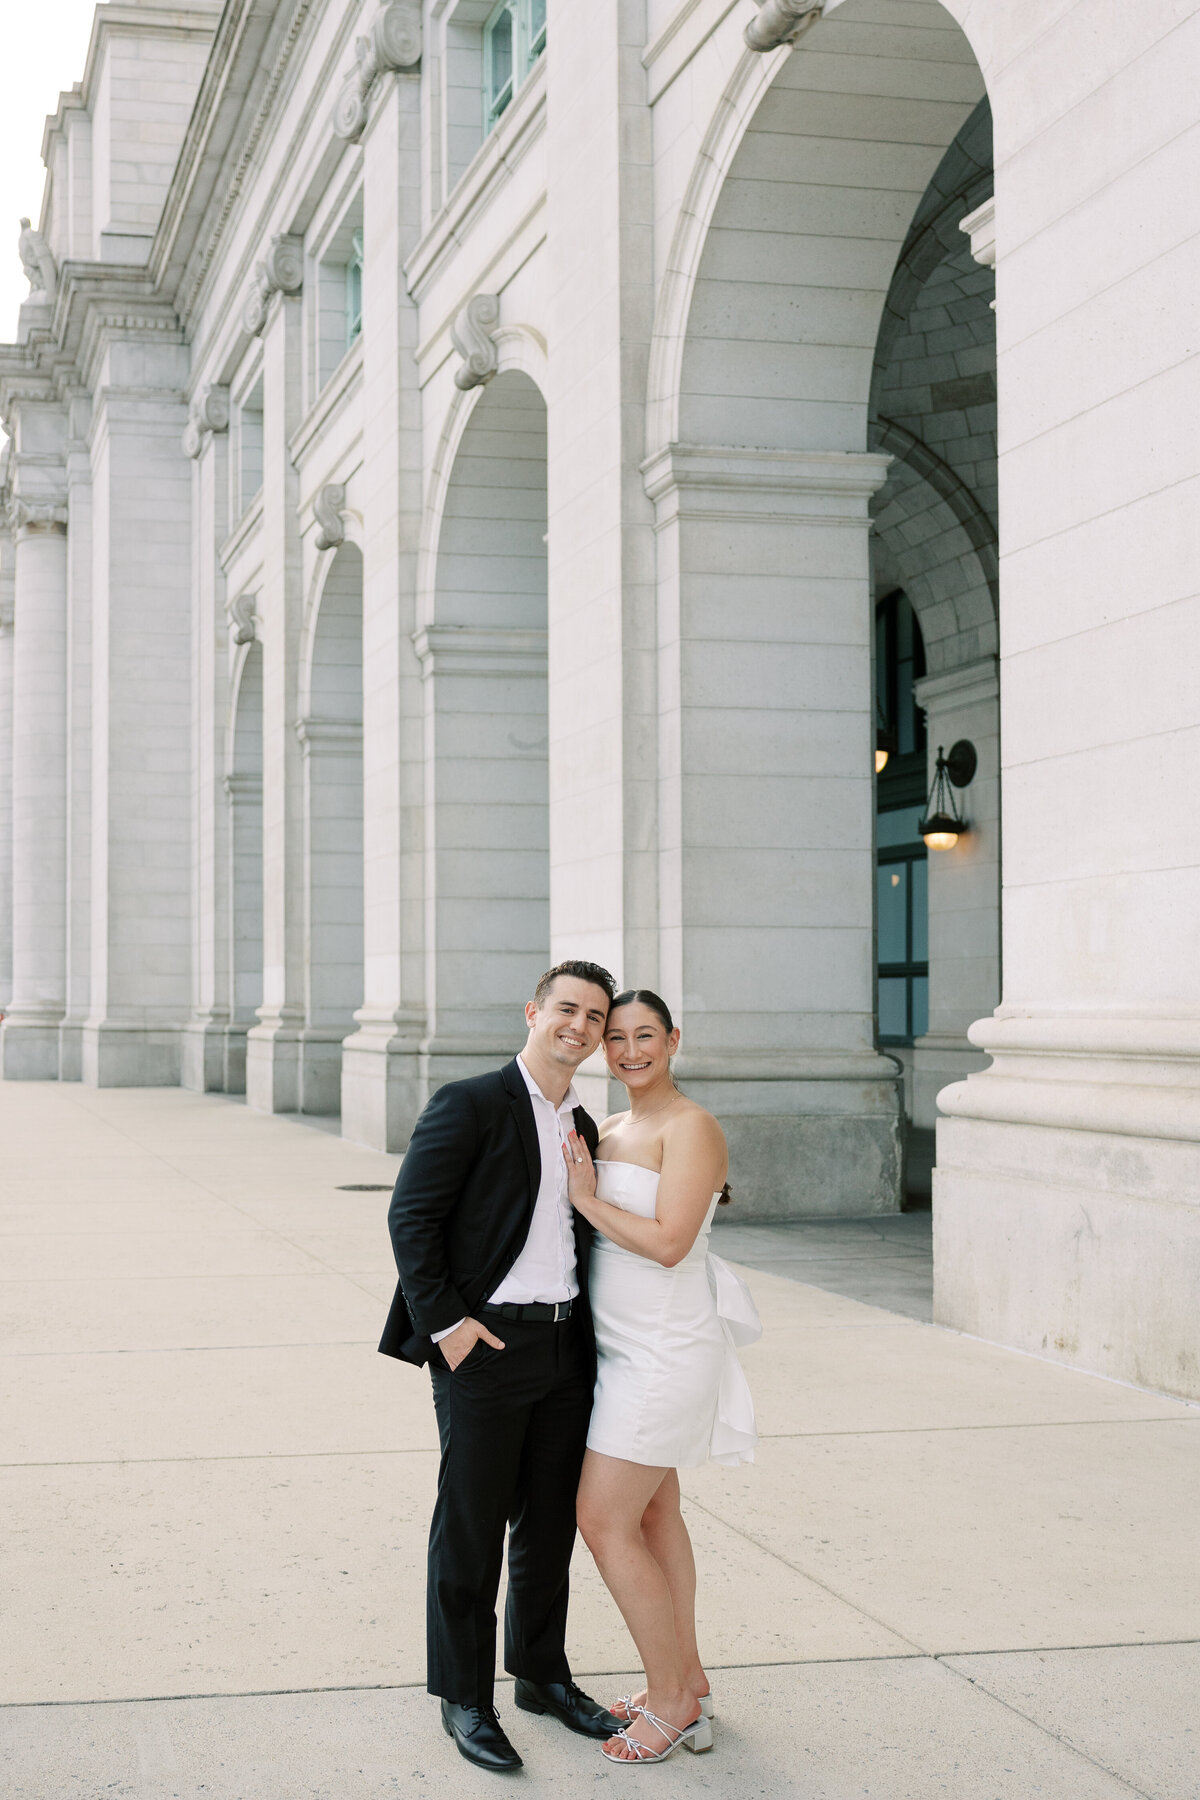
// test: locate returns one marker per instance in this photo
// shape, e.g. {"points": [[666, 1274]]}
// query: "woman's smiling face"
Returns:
{"points": [[637, 1045]]}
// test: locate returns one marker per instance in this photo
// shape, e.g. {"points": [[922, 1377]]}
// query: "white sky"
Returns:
{"points": [[43, 44]]}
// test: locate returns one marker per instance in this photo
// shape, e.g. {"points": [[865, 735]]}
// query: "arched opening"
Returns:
{"points": [[243, 786], [331, 738], [767, 590], [484, 664], [935, 559]]}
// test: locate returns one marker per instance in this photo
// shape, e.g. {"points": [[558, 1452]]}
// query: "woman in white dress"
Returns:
{"points": [[670, 1392]]}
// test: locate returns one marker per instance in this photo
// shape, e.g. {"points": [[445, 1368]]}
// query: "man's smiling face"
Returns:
{"points": [[569, 1024]]}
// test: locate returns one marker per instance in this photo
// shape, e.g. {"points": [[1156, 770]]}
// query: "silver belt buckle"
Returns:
{"points": [[561, 1310]]}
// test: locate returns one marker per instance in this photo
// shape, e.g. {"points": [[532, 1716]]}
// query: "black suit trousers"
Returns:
{"points": [[513, 1427]]}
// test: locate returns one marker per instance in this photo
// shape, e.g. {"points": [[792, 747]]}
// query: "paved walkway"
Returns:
{"points": [[954, 1571]]}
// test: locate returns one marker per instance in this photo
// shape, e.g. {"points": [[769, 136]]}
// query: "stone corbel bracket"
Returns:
{"points": [[471, 335], [281, 271], [209, 413], [327, 508], [392, 42], [781, 22], [243, 620], [32, 518]]}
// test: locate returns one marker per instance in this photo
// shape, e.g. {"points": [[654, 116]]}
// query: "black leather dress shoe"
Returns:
{"points": [[569, 1703], [479, 1735]]}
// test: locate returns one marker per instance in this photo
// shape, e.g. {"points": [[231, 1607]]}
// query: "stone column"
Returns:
{"points": [[380, 1088], [485, 692], [213, 1051], [964, 885], [600, 542], [6, 745], [274, 1046], [29, 1035], [79, 741], [765, 819], [141, 718]]}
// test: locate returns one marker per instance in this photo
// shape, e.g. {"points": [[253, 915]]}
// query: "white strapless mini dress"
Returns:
{"points": [[670, 1390]]}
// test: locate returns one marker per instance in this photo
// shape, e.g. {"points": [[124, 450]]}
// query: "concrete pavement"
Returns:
{"points": [[953, 1571]]}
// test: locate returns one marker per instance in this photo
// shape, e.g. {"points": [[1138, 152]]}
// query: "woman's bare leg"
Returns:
{"points": [[667, 1539], [613, 1497]]}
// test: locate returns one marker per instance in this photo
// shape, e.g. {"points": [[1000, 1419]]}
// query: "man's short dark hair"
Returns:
{"points": [[582, 971]]}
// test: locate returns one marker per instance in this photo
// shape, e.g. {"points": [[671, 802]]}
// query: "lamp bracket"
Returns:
{"points": [[962, 763]]}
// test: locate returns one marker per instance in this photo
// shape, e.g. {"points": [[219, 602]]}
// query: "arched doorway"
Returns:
{"points": [[483, 657], [767, 600], [331, 739]]}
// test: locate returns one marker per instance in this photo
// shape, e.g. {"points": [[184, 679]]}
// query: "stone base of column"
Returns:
{"points": [[1065, 1210], [213, 1057], [938, 1060], [116, 1054], [294, 1068], [382, 1092], [70, 1050], [28, 1047], [809, 1136]]}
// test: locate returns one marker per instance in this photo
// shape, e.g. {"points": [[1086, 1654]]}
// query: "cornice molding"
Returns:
{"points": [[715, 481], [393, 41], [281, 271], [472, 335], [209, 413], [480, 650]]}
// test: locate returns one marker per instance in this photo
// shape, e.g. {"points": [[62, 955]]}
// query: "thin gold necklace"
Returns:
{"points": [[653, 1115]]}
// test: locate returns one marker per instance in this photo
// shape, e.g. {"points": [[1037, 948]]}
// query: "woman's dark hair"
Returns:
{"points": [[647, 997]]}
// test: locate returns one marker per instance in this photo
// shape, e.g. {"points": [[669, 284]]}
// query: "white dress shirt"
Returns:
{"points": [[545, 1270]]}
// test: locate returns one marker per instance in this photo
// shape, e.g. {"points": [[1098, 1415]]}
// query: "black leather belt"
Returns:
{"points": [[545, 1312]]}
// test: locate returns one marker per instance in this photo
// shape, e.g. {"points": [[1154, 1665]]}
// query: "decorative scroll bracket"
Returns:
{"points": [[243, 620], [281, 271], [209, 413], [393, 42], [327, 507], [781, 22], [471, 335]]}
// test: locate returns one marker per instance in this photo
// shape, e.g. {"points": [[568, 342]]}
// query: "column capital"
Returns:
{"points": [[978, 680], [980, 227], [712, 480], [480, 650], [37, 518]]}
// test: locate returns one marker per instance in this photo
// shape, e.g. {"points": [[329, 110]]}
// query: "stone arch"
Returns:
{"points": [[762, 469], [483, 657], [330, 731]]}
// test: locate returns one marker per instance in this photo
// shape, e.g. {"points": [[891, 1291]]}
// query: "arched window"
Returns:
{"points": [[901, 886]]}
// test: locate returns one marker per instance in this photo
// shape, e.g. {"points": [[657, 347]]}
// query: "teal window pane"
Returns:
{"points": [[920, 1005], [920, 909], [537, 29], [893, 1006], [891, 912], [498, 62], [899, 827]]}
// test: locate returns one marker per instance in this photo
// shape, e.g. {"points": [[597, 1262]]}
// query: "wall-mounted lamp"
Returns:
{"points": [[943, 824]]}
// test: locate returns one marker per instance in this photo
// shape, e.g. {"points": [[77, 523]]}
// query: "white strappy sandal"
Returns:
{"points": [[697, 1736], [623, 1707]]}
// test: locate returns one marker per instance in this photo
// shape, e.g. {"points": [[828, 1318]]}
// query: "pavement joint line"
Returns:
{"points": [[777, 1437], [198, 1349], [812, 1662], [1055, 1737], [901, 1637]]}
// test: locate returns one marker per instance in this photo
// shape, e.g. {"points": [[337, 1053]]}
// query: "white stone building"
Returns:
{"points": [[484, 479]]}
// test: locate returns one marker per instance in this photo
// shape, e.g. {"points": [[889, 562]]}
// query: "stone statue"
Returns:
{"points": [[38, 261]]}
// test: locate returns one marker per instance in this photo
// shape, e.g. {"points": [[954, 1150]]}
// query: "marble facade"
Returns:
{"points": [[437, 542]]}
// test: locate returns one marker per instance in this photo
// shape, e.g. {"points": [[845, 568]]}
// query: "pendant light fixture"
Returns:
{"points": [[885, 740], [943, 824]]}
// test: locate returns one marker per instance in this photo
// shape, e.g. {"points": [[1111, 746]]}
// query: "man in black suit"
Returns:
{"points": [[493, 1269]]}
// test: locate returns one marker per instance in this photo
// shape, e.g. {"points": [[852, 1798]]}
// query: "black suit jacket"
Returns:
{"points": [[462, 1207]]}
